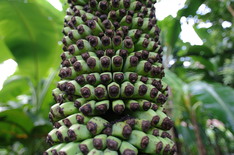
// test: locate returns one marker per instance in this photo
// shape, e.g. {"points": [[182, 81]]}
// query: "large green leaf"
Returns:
{"points": [[190, 8], [200, 50], [217, 100], [17, 119], [13, 87], [31, 31], [5, 52], [172, 28]]}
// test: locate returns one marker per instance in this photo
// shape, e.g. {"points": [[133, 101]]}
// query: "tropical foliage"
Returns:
{"points": [[201, 77]]}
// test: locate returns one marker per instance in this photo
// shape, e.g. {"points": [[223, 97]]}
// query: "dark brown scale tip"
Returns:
{"points": [[97, 13], [80, 119], [134, 61], [101, 108], [131, 122], [122, 12], [117, 40], [97, 143], [113, 14], [63, 73], [45, 153], [85, 92], [105, 40], [103, 5], [85, 56], [165, 134], [157, 84], [80, 44], [145, 11], [93, 41], [114, 91], [129, 19], [123, 53], [155, 132], [77, 66], [73, 60], [144, 79], [70, 35], [71, 49], [109, 33], [110, 53], [91, 79], [86, 109], [161, 98], [144, 142], [167, 124], [59, 136], [138, 5], [149, 4], [140, 15], [138, 34], [125, 31], [145, 43], [153, 92], [133, 77], [155, 71], [92, 127], [145, 126], [103, 17], [119, 77], [91, 24], [173, 150], [147, 67], [66, 63], [64, 41], [105, 62], [159, 147], [134, 106], [91, 62], [62, 153], [84, 149], [140, 22], [57, 125], [142, 90], [155, 120], [166, 149], [120, 33], [117, 61], [80, 29], [70, 97], [49, 140], [111, 144], [129, 90], [131, 12], [60, 110], [116, 25], [63, 56], [93, 3], [70, 88], [99, 92], [71, 24], [77, 104], [54, 152], [129, 152], [63, 86], [127, 130], [154, 107], [126, 3], [107, 24], [99, 53], [80, 79], [119, 109], [67, 122], [84, 17], [146, 105], [107, 131], [160, 50], [105, 78]]}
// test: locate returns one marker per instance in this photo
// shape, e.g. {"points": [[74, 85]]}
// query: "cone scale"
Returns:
{"points": [[111, 94]]}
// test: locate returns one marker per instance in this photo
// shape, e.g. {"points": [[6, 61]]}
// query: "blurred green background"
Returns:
{"points": [[198, 54]]}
